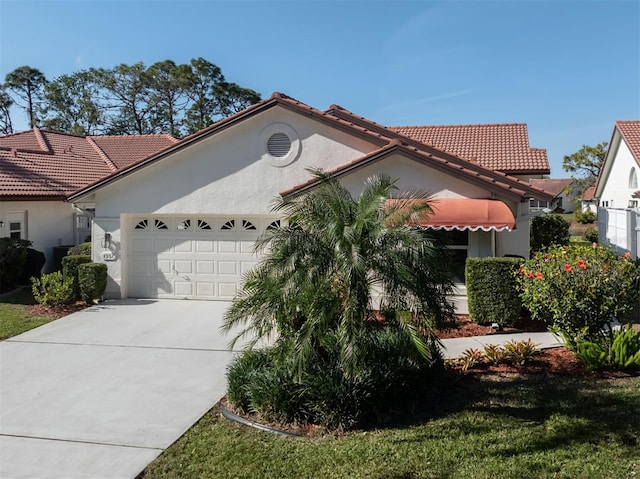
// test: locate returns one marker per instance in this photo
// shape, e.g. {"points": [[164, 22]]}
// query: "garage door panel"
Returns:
{"points": [[246, 246], [246, 266], [205, 289], [163, 266], [183, 267], [226, 268], [162, 245], [183, 246], [141, 245], [205, 246], [142, 266], [183, 288], [226, 247], [226, 290], [205, 267]]}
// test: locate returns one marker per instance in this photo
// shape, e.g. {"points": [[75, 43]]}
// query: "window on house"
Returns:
{"points": [[633, 179], [15, 230], [458, 245]]}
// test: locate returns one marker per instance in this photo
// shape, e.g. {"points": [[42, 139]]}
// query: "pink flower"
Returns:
{"points": [[627, 255], [582, 264], [595, 245], [567, 268], [538, 275]]}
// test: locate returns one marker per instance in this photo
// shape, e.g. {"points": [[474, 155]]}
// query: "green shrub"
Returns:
{"points": [[52, 289], [585, 217], [547, 230], [13, 258], [92, 281], [70, 270], [591, 235], [519, 353], [389, 380], [82, 249], [620, 351], [493, 293], [579, 289]]}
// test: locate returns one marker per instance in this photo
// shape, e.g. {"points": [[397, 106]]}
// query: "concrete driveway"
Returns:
{"points": [[102, 392]]}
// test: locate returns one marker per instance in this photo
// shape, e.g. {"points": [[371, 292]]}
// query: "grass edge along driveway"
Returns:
{"points": [[483, 426], [15, 316]]}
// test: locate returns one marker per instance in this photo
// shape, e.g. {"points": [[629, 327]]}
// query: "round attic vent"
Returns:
{"points": [[279, 145]]}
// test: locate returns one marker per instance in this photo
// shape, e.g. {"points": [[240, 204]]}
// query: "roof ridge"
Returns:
{"points": [[112, 166], [460, 125], [44, 144]]}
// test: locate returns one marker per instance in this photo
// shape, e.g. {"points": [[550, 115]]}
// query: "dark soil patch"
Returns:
{"points": [[465, 327], [57, 311]]}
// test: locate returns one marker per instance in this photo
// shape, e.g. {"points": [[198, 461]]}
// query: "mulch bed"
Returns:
{"points": [[465, 327], [57, 311]]}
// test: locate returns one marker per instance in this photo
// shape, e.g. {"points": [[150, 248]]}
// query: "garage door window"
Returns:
{"points": [[142, 225], [203, 225]]}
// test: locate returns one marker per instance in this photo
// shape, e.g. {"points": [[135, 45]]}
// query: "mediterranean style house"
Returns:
{"points": [[181, 223]]}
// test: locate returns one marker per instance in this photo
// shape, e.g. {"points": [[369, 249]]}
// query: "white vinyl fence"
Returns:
{"points": [[620, 229]]}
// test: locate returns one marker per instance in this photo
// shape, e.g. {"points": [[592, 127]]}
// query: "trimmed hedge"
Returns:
{"points": [[92, 281], [547, 230], [13, 259], [493, 293], [70, 270], [82, 249]]}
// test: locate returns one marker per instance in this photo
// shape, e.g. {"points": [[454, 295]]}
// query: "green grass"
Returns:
{"points": [[482, 427], [14, 315]]}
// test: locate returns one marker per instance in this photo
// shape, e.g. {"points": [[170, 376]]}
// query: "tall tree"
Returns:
{"points": [[127, 95], [28, 85], [585, 165], [213, 98], [169, 84], [6, 126], [72, 104]]}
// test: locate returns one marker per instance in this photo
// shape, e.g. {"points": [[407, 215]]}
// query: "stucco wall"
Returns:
{"points": [[616, 190], [230, 172], [48, 224]]}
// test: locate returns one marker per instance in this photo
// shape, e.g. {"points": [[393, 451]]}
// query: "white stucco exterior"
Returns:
{"points": [[46, 224], [615, 189]]}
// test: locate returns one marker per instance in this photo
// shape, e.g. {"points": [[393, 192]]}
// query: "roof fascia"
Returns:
{"points": [[605, 169]]}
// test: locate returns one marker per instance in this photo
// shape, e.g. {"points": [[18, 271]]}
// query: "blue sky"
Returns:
{"points": [[567, 68]]}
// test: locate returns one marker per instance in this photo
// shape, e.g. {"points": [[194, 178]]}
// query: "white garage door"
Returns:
{"points": [[191, 257]]}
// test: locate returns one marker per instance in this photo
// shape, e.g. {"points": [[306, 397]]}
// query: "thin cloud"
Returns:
{"points": [[430, 99]]}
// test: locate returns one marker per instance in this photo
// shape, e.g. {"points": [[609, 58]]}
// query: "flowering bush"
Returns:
{"points": [[578, 290]]}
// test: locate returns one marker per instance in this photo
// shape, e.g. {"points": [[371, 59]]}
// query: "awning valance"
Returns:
{"points": [[469, 214]]}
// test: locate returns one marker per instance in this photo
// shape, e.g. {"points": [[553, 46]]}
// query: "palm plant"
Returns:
{"points": [[333, 255]]}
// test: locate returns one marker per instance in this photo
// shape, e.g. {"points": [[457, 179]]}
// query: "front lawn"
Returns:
{"points": [[16, 316], [484, 426]]}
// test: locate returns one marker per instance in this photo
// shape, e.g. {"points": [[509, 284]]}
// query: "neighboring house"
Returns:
{"points": [[589, 202], [617, 189], [182, 223], [39, 169], [565, 197]]}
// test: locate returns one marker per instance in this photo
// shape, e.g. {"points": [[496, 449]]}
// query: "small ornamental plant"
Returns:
{"points": [[579, 290]]}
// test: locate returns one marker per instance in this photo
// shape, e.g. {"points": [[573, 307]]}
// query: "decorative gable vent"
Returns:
{"points": [[279, 145]]}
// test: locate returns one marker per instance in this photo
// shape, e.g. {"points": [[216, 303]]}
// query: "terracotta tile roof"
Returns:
{"points": [[589, 193], [630, 131], [38, 163], [552, 185], [503, 147], [493, 180]]}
